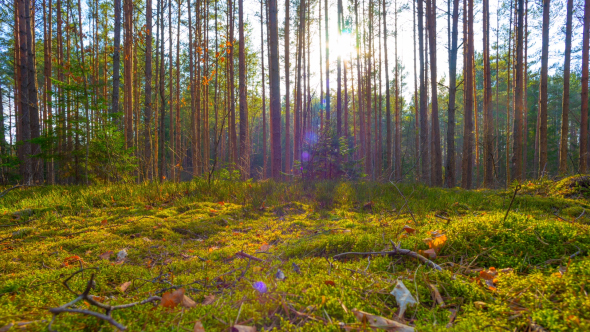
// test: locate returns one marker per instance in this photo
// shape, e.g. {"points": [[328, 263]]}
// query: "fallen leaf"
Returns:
{"points": [[187, 302], [212, 248], [409, 229], [209, 299], [243, 328], [431, 253], [437, 296], [106, 255], [330, 283], [403, 297], [198, 327], [480, 305], [260, 287], [296, 268], [124, 286], [172, 299], [264, 247], [104, 222], [221, 203], [375, 321]]}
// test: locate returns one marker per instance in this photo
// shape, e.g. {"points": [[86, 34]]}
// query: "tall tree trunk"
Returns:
{"points": [[275, 93], [437, 153], [543, 91], [25, 116], [32, 94], [128, 71], [264, 125], [388, 127], [339, 76], [488, 132], [566, 90], [178, 149], [162, 86], [245, 158], [453, 49], [467, 162], [584, 92], [525, 125], [47, 92], [288, 152], [416, 105], [424, 160], [327, 63], [116, 58], [148, 89], [518, 87]]}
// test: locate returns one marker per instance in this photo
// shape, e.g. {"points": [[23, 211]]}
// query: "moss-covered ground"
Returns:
{"points": [[187, 236]]}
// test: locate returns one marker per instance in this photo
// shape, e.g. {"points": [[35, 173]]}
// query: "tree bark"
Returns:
{"points": [[245, 158], [148, 89], [437, 153], [275, 93], [584, 92], [543, 91], [116, 58], [518, 87], [453, 49], [467, 162], [565, 105]]}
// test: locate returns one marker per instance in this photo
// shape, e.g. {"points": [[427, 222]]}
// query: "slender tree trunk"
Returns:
{"points": [[437, 153], [275, 93], [162, 86], [339, 77], [116, 57], [488, 138], [543, 91], [47, 97], [178, 149], [288, 153], [128, 71], [467, 162], [32, 94], [453, 49], [566, 90], [388, 127], [416, 106], [148, 89], [518, 110], [584, 92], [525, 125], [245, 158], [25, 117], [327, 63], [264, 125], [425, 169]]}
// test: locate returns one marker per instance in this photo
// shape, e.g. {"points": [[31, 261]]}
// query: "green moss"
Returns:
{"points": [[188, 234]]}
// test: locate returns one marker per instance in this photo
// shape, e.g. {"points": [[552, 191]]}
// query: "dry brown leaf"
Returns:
{"points": [[172, 299], [264, 247], [106, 255], [243, 328], [209, 299], [437, 296], [375, 321], [124, 286], [198, 327], [187, 302], [409, 229]]}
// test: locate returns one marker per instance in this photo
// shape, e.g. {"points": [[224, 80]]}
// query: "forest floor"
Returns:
{"points": [[259, 256]]}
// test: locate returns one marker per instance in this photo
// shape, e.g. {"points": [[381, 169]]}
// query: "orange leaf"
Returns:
{"points": [[409, 229], [221, 203], [172, 299], [330, 283], [104, 222]]}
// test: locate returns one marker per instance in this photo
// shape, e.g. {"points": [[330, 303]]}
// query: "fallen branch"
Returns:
{"points": [[512, 201], [85, 296], [242, 254], [396, 251]]}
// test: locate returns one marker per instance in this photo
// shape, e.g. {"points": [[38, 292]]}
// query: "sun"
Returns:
{"points": [[343, 46]]}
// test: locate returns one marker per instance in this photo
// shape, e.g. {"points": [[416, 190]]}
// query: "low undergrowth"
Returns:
{"points": [[150, 239]]}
